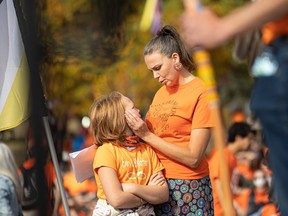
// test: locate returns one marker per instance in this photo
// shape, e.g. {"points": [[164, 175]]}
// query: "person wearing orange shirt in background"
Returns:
{"points": [[257, 202], [269, 100], [81, 197], [239, 139], [128, 174], [244, 167], [178, 125]]}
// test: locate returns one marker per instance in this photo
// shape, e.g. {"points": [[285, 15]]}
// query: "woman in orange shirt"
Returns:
{"points": [[178, 125]]}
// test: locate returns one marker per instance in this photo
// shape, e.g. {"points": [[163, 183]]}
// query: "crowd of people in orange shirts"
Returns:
{"points": [[249, 174], [246, 158]]}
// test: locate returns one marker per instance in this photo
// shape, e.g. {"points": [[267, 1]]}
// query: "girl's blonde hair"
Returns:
{"points": [[9, 168], [107, 119]]}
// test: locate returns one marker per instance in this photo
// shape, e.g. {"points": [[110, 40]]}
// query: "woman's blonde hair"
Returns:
{"points": [[9, 169], [107, 119]]}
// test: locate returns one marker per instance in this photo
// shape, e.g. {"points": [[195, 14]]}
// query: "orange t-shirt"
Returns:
{"points": [[174, 112], [261, 197], [132, 166], [243, 198], [245, 170], [275, 29], [74, 188], [215, 173], [270, 209]]}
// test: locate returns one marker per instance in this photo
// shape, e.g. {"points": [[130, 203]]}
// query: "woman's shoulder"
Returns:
{"points": [[161, 90], [197, 83]]}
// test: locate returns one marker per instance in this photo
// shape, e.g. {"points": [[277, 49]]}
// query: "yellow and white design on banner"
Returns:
{"points": [[14, 74]]}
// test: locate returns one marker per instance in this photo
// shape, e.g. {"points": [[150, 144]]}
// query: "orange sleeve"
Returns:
{"points": [[273, 30], [270, 209], [202, 116]]}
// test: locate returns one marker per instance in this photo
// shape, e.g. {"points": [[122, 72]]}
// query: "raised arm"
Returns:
{"points": [[204, 28]]}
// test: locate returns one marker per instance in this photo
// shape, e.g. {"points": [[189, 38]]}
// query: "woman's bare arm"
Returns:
{"points": [[205, 29], [189, 156]]}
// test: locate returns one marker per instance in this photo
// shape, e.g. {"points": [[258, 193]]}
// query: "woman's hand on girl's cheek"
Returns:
{"points": [[133, 118]]}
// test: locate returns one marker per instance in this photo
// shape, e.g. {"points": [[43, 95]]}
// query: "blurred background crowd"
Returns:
{"points": [[250, 175]]}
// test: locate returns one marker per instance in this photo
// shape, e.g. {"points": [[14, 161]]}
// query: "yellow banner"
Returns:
{"points": [[14, 74]]}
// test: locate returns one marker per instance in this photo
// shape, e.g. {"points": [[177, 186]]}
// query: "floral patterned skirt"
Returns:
{"points": [[188, 197]]}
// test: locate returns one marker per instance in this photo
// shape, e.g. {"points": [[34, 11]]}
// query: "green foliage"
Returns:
{"points": [[92, 50]]}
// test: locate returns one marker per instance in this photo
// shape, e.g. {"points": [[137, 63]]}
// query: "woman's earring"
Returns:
{"points": [[178, 66]]}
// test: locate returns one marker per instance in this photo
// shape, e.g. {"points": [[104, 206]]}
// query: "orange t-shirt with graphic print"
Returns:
{"points": [[132, 166], [174, 112]]}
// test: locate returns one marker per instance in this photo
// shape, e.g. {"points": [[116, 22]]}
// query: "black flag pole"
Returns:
{"points": [[38, 108], [55, 162]]}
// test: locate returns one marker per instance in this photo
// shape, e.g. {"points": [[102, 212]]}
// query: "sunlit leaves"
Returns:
{"points": [[88, 56]]}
